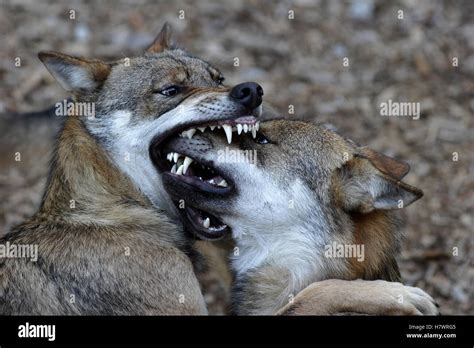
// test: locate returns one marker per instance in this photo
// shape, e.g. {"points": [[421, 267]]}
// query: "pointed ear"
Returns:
{"points": [[162, 41], [75, 75], [387, 165], [365, 188]]}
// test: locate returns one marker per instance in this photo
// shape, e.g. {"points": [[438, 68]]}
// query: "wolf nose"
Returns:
{"points": [[248, 94]]}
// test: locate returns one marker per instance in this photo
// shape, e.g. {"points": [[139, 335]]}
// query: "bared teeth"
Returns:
{"points": [[180, 170], [228, 132], [189, 133], [175, 157], [239, 128], [186, 164], [173, 170], [169, 157], [254, 132], [206, 223], [223, 183]]}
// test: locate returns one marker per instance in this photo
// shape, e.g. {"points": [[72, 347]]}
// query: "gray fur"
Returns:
{"points": [[108, 245], [335, 193]]}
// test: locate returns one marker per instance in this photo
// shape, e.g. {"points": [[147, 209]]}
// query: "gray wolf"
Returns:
{"points": [[307, 190], [108, 238]]}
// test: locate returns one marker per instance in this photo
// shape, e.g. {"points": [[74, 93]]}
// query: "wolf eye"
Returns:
{"points": [[220, 80], [170, 91], [261, 139]]}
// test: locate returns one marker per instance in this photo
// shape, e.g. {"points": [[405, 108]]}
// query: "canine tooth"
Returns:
{"points": [[228, 132], [186, 164], [180, 170], [207, 223], [254, 132], [169, 156], [246, 128], [173, 170], [175, 157], [202, 129], [257, 125], [223, 183], [212, 127], [189, 133], [239, 128]]}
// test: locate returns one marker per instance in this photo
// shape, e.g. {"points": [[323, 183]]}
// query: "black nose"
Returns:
{"points": [[248, 94]]}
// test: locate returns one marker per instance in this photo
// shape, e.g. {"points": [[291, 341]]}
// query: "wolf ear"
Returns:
{"points": [[385, 164], [364, 187], [75, 75], [162, 41]]}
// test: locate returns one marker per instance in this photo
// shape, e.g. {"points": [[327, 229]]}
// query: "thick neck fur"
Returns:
{"points": [[86, 188], [99, 240], [295, 258]]}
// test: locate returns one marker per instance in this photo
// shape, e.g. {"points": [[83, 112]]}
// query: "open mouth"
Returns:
{"points": [[200, 175], [196, 173], [204, 225], [240, 125]]}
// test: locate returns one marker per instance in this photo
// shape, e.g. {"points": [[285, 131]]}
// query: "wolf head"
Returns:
{"points": [[138, 102], [295, 186]]}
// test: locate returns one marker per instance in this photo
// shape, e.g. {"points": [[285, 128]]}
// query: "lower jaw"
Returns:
{"points": [[194, 225]]}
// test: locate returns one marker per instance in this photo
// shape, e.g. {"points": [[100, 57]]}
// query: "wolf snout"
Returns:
{"points": [[249, 94]]}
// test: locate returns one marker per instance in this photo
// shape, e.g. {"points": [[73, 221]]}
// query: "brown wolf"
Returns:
{"points": [[291, 195], [106, 238]]}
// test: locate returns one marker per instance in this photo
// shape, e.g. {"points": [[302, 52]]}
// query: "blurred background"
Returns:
{"points": [[295, 50]]}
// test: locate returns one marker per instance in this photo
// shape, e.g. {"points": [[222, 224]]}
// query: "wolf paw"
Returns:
{"points": [[410, 300], [360, 297]]}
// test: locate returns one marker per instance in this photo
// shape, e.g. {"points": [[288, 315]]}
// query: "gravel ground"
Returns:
{"points": [[425, 57]]}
